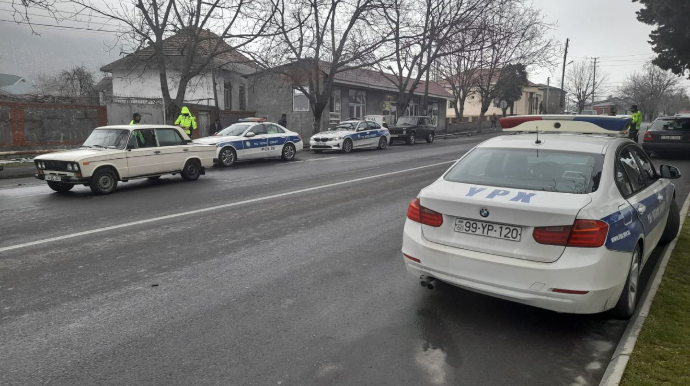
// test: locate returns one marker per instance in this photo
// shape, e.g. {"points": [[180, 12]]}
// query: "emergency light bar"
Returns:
{"points": [[252, 119], [585, 124]]}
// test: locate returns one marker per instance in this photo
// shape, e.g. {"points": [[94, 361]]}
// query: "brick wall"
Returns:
{"points": [[33, 126]]}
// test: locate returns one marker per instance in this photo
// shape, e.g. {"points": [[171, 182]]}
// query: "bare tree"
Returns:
{"points": [[317, 39], [208, 30], [649, 88], [74, 82], [425, 35], [459, 69], [515, 33], [580, 83]]}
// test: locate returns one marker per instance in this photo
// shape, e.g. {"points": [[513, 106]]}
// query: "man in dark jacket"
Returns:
{"points": [[283, 121], [215, 127]]}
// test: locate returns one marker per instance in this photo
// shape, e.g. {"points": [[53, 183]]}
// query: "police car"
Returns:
{"points": [[560, 221], [253, 138], [349, 135]]}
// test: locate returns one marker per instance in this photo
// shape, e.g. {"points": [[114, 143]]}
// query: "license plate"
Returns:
{"points": [[53, 178], [488, 229], [673, 137]]}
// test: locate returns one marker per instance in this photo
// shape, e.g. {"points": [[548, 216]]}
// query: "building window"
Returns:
{"points": [[300, 101], [335, 106], [358, 104], [243, 98], [227, 95]]}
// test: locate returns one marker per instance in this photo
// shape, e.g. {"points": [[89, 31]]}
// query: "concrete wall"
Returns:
{"points": [[121, 113], [47, 126]]}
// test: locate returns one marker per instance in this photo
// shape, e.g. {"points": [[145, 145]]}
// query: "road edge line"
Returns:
{"points": [[616, 368]]}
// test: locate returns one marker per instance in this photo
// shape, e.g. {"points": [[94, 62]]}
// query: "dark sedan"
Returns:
{"points": [[412, 128], [668, 135]]}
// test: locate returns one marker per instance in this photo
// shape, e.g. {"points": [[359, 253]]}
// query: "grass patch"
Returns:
{"points": [[662, 353]]}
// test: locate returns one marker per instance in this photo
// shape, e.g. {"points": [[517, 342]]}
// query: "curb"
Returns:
{"points": [[621, 356]]}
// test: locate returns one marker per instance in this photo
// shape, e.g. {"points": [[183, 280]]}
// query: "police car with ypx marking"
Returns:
{"points": [[253, 138], [349, 135], [560, 221]]}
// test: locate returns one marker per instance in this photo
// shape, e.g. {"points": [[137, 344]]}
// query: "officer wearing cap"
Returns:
{"points": [[636, 122], [136, 118]]}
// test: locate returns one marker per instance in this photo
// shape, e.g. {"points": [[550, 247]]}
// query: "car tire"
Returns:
{"points": [[288, 153], [347, 146], [104, 181], [383, 143], [318, 151], [60, 187], [430, 137], [227, 157], [191, 170], [672, 224], [627, 302], [154, 178], [411, 139]]}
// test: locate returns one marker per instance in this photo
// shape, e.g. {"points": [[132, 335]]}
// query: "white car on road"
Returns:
{"points": [[123, 153], [349, 135], [559, 221], [253, 139]]}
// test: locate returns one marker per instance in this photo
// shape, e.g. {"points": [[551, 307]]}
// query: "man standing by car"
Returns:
{"points": [[283, 121], [215, 127], [636, 122], [136, 119], [186, 121], [493, 121]]}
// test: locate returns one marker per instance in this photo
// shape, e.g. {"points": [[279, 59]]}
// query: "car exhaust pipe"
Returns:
{"points": [[423, 281], [431, 283]]}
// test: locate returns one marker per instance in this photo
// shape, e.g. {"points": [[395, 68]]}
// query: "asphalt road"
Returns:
{"points": [[195, 283]]}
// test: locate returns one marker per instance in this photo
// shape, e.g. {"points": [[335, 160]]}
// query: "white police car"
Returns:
{"points": [[352, 134], [253, 138], [558, 221]]}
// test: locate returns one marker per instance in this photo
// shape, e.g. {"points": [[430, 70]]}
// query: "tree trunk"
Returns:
{"points": [[318, 113], [512, 107]]}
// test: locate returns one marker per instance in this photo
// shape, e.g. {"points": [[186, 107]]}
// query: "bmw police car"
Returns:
{"points": [[253, 138], [349, 135], [559, 221]]}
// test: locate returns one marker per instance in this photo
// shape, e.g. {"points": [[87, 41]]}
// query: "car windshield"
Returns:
{"points": [[107, 139], [407, 121], [675, 124], [345, 126], [236, 129], [551, 171]]}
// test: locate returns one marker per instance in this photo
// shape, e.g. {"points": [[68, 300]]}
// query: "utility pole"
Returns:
{"points": [[548, 83], [594, 81], [565, 58]]}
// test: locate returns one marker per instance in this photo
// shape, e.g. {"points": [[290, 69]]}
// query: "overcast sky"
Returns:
{"points": [[607, 29]]}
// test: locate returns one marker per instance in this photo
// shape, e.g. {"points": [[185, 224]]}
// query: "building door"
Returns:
{"points": [[204, 123]]}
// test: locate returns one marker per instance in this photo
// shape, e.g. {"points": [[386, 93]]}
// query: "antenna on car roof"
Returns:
{"points": [[538, 141]]}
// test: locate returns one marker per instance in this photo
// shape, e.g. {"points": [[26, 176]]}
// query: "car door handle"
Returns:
{"points": [[185, 149], [157, 152]]}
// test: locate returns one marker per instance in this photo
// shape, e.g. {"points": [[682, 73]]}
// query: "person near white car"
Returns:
{"points": [[563, 219]]}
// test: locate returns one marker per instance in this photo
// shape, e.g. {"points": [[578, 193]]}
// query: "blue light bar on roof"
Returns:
{"points": [[586, 124]]}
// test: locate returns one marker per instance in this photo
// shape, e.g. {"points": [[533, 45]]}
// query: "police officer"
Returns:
{"points": [[186, 121], [136, 119], [636, 122]]}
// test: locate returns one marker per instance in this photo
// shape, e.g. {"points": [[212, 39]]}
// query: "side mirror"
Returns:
{"points": [[250, 134], [670, 172]]}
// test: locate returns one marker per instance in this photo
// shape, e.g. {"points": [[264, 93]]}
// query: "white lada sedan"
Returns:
{"points": [[559, 221], [123, 153]]}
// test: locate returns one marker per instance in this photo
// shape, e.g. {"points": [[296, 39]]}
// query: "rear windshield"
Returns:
{"points": [[676, 124], [551, 171]]}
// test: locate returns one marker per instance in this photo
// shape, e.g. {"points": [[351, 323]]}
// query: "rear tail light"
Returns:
{"points": [[648, 136], [417, 213], [583, 234]]}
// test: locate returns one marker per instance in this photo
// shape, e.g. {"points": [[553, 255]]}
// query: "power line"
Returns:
{"points": [[59, 26], [56, 12], [83, 22]]}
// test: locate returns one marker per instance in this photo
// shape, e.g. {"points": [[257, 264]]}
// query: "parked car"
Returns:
{"points": [[411, 128], [349, 135], [251, 139], [668, 135], [122, 153], [588, 112], [380, 119], [563, 221]]}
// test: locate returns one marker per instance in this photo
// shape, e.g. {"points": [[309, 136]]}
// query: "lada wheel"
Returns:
{"points": [[104, 181], [411, 139], [227, 157], [430, 137], [191, 170], [632, 290], [347, 146], [289, 152], [60, 187], [383, 143]]}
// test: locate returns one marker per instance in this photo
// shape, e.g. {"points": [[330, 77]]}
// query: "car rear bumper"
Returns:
{"points": [[670, 147], [600, 272]]}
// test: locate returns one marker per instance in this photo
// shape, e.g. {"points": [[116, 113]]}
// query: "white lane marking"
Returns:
{"points": [[305, 160], [213, 208]]}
